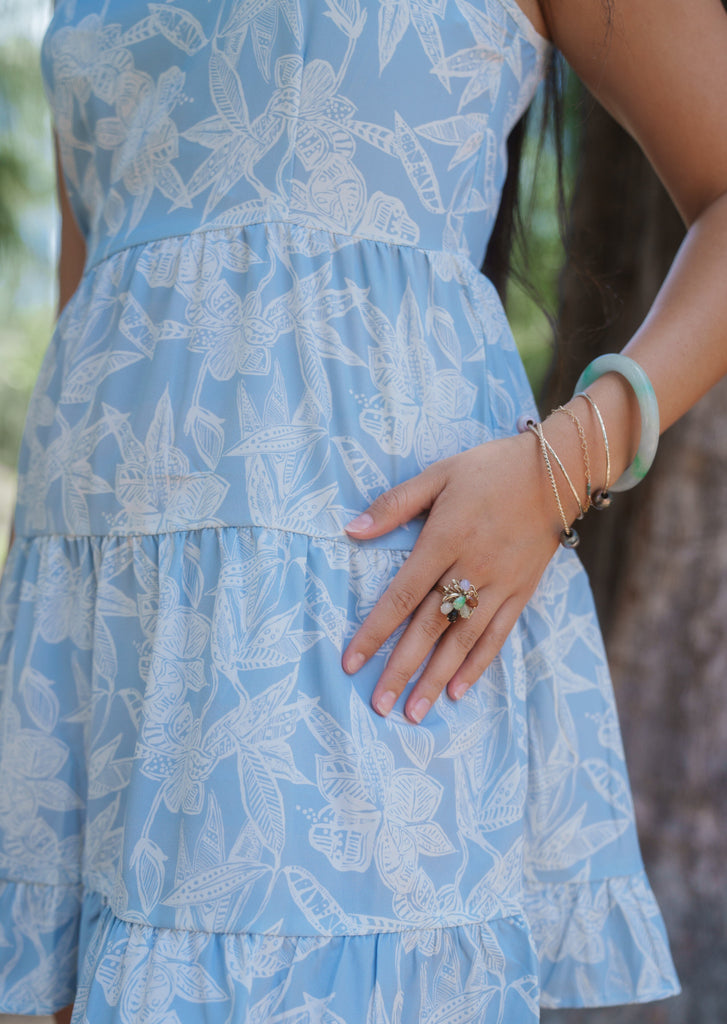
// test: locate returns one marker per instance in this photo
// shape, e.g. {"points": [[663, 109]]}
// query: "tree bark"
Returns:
{"points": [[658, 565]]}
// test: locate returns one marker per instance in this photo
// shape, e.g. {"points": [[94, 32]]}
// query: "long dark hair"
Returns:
{"points": [[508, 234]]}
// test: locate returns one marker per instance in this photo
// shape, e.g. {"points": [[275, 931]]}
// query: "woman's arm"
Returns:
{"points": [[659, 67], [662, 73], [73, 248]]}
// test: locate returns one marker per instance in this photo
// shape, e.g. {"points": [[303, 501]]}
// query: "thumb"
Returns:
{"points": [[395, 507]]}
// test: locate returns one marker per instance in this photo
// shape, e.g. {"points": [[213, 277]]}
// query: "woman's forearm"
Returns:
{"points": [[682, 345]]}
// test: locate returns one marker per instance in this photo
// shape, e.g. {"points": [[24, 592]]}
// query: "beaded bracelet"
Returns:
{"points": [[648, 408], [568, 536]]}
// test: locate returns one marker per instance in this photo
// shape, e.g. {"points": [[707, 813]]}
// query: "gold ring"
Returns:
{"points": [[459, 599]]}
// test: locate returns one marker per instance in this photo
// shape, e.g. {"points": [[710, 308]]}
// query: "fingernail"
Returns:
{"points": [[354, 662], [360, 523], [420, 709], [385, 702], [458, 690]]}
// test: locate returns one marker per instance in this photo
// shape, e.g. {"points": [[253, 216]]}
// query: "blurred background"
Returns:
{"points": [[28, 240], [28, 229], [657, 559]]}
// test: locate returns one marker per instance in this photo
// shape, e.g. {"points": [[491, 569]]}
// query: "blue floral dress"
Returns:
{"points": [[285, 204]]}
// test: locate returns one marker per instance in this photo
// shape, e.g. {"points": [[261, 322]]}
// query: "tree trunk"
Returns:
{"points": [[658, 565]]}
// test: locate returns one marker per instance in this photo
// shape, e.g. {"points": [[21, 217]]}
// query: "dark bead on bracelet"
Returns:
{"points": [[569, 538]]}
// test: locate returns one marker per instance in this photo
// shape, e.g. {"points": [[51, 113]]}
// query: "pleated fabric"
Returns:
{"points": [[201, 817]]}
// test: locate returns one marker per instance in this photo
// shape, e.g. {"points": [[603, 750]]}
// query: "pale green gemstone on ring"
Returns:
{"points": [[459, 602], [466, 611]]}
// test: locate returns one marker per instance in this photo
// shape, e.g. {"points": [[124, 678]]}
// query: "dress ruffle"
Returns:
{"points": [[281, 319], [38, 946], [133, 973], [600, 943], [156, 609]]}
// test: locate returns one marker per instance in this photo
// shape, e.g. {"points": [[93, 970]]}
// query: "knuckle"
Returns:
{"points": [[495, 636], [430, 628], [390, 504], [371, 637], [402, 600], [465, 638], [397, 676]]}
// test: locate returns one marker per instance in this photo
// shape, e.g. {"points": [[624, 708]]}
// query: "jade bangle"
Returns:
{"points": [[648, 408]]}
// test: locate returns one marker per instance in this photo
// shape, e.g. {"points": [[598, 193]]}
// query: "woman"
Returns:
{"points": [[277, 331]]}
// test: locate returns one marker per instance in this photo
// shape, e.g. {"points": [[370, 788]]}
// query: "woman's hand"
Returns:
{"points": [[492, 519]]}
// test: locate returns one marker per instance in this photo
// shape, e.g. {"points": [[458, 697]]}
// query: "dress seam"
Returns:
{"points": [[519, 916], [570, 884], [526, 885], [106, 537], [48, 885], [219, 229]]}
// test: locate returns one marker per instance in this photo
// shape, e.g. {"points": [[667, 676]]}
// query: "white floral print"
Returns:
{"points": [[281, 317]]}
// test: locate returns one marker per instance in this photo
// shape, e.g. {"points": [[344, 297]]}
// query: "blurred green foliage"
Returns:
{"points": [[532, 297], [26, 223], [532, 310]]}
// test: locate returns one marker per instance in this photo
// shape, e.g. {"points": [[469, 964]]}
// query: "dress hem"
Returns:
{"points": [[112, 948]]}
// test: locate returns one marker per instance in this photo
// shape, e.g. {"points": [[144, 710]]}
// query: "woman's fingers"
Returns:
{"points": [[401, 598], [458, 639], [485, 521], [417, 640], [460, 652], [410, 595], [413, 581], [399, 505], [486, 648], [429, 630]]}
